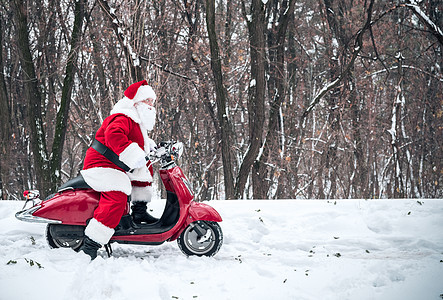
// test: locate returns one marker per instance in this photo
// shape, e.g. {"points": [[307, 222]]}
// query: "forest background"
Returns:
{"points": [[273, 99]]}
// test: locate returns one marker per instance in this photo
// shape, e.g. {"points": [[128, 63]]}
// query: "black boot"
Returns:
{"points": [[140, 215], [90, 247]]}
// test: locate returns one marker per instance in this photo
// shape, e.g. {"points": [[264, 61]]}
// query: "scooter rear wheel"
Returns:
{"points": [[201, 238], [73, 243]]}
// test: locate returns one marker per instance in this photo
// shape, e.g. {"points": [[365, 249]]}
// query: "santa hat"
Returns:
{"points": [[140, 91]]}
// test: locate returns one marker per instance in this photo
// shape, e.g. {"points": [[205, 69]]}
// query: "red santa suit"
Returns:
{"points": [[125, 133]]}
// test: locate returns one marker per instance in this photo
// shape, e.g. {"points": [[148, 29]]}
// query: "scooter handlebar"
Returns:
{"points": [[166, 152]]}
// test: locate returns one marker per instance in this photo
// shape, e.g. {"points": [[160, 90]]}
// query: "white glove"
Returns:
{"points": [[151, 144], [160, 151], [140, 163]]}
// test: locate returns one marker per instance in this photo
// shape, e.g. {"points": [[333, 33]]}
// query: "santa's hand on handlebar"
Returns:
{"points": [[159, 152]]}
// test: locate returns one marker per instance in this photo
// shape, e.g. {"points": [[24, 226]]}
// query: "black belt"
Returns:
{"points": [[109, 154]]}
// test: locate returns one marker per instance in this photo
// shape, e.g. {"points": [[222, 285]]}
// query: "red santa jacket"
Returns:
{"points": [[122, 133]]}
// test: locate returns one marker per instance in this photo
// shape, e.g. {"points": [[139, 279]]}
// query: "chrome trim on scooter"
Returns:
{"points": [[168, 165], [26, 215]]}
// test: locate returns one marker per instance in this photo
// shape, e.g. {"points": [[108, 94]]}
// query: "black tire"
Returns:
{"points": [[205, 243], [73, 243]]}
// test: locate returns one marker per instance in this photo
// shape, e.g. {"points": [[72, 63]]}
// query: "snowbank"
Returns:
{"points": [[285, 249]]}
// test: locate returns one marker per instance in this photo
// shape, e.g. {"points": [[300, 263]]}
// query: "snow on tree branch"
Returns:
{"points": [[116, 24], [122, 37], [435, 30], [357, 48]]}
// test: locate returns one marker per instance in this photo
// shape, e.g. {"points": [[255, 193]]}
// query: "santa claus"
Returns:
{"points": [[124, 132]]}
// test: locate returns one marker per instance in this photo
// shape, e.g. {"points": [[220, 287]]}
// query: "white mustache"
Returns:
{"points": [[147, 115]]}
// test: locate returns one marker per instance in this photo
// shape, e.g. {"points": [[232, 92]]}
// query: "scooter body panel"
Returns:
{"points": [[175, 181], [72, 207]]}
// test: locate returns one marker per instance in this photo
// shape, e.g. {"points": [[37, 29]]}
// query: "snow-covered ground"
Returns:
{"points": [[285, 249]]}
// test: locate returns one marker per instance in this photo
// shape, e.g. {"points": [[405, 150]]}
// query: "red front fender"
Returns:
{"points": [[203, 212], [198, 212]]}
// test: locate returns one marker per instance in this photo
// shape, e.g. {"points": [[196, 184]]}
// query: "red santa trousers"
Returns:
{"points": [[111, 208]]}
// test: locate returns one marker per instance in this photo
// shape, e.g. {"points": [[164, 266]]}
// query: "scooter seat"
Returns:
{"points": [[75, 183]]}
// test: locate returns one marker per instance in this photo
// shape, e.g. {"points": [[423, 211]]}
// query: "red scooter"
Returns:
{"points": [[194, 225]]}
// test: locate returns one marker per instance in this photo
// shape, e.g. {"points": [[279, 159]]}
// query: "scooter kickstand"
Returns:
{"points": [[108, 249]]}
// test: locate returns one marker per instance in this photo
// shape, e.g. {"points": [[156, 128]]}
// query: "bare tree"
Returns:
{"points": [[5, 122], [221, 99], [279, 17], [47, 164], [273, 99]]}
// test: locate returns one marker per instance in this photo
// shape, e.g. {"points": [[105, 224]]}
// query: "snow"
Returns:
{"points": [[281, 249], [417, 9]]}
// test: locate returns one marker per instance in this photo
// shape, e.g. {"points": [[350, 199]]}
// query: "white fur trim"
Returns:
{"points": [[144, 92], [132, 155], [98, 232], [126, 106], [107, 179], [140, 174], [142, 194]]}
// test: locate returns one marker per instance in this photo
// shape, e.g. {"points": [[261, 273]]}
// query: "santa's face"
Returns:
{"points": [[147, 113]]}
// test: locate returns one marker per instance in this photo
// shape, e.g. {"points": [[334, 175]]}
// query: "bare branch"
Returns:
{"points": [[433, 28], [357, 48], [132, 56]]}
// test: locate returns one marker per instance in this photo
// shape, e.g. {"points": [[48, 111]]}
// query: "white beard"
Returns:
{"points": [[147, 115]]}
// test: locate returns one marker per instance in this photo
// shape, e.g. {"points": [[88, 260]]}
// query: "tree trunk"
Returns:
{"points": [[63, 112], [33, 97], [398, 188], [5, 126], [47, 167], [221, 100], [360, 182], [277, 93], [257, 87], [337, 41]]}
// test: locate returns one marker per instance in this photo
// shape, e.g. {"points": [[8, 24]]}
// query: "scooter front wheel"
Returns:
{"points": [[201, 238]]}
